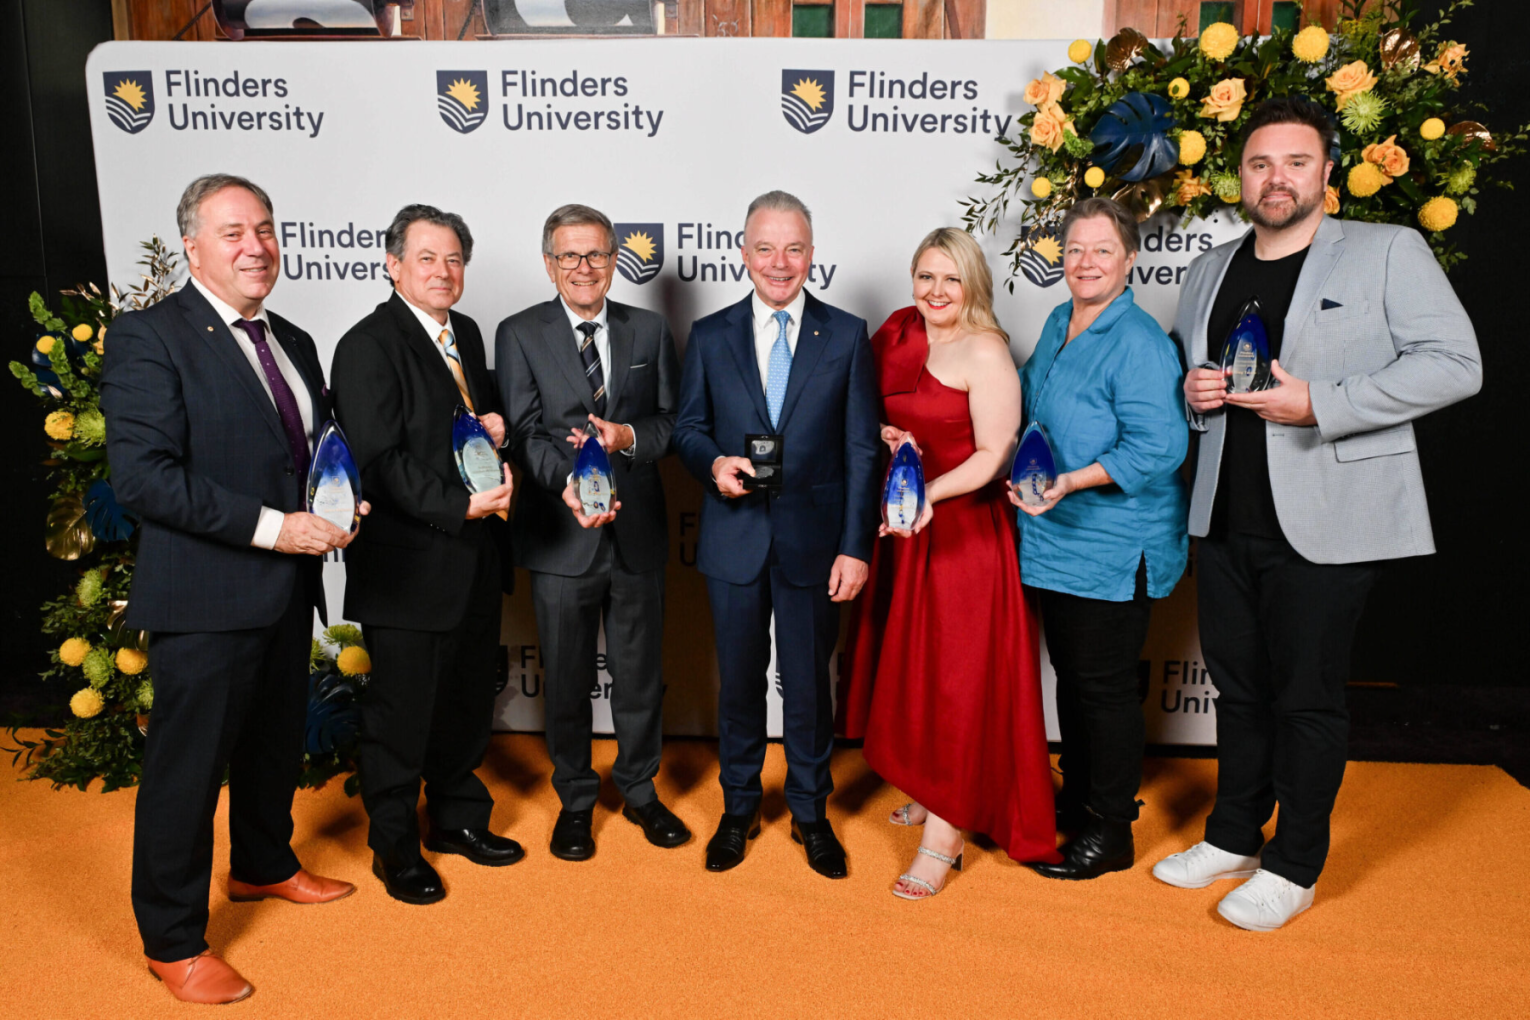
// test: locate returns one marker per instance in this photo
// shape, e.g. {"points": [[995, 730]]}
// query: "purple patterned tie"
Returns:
{"points": [[281, 393]]}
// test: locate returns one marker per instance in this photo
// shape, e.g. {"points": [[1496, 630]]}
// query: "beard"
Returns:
{"points": [[1299, 209]]}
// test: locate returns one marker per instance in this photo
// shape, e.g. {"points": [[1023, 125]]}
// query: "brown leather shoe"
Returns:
{"points": [[203, 979], [300, 888]]}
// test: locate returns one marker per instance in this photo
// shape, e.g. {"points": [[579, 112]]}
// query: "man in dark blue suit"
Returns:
{"points": [[797, 376], [211, 403]]}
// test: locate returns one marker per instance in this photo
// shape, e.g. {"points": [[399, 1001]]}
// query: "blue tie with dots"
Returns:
{"points": [[780, 370]]}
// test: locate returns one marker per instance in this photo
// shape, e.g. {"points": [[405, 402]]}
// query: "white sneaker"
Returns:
{"points": [[1202, 865], [1264, 902]]}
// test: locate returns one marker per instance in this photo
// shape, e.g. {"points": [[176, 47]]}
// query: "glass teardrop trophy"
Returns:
{"points": [[334, 484], [1035, 468], [477, 460], [903, 493], [592, 475], [1246, 354]]}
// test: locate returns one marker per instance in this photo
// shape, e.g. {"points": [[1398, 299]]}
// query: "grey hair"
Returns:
{"points": [[576, 215], [412, 214], [188, 210], [780, 201], [1090, 208]]}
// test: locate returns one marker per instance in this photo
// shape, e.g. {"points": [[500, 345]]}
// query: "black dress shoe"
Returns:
{"points": [[478, 845], [824, 853], [415, 883], [659, 824], [726, 847], [572, 839], [1102, 847]]}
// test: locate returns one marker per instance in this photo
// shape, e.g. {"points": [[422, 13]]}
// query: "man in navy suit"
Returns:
{"points": [[211, 403], [783, 365]]}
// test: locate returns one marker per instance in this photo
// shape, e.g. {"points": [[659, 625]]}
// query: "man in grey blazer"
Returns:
{"points": [[1300, 491], [575, 360]]}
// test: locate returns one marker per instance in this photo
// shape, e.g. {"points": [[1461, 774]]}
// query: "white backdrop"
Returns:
{"points": [[669, 137]]}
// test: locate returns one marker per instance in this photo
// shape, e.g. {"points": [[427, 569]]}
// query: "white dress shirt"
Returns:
{"points": [[766, 331], [433, 330], [270, 524], [602, 349]]}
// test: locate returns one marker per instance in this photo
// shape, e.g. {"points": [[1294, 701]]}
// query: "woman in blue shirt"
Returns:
{"points": [[1104, 381]]}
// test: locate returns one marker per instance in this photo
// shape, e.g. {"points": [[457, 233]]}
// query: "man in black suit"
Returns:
{"points": [[575, 360], [424, 582], [211, 404]]}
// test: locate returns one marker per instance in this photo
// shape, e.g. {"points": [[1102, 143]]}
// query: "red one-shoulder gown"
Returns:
{"points": [[942, 676]]}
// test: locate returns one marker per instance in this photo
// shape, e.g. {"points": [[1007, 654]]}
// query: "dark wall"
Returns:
{"points": [[1454, 618], [51, 224]]}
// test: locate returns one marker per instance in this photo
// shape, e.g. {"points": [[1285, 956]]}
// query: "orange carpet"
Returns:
{"points": [[1424, 912]]}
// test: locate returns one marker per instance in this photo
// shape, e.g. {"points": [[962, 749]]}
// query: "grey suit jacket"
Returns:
{"points": [[546, 393], [1376, 330]]}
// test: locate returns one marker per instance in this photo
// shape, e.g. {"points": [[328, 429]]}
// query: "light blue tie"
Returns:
{"points": [[780, 370]]}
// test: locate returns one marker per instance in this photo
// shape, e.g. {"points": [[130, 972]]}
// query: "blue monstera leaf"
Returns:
{"points": [[334, 719], [109, 519], [1132, 137], [42, 369]]}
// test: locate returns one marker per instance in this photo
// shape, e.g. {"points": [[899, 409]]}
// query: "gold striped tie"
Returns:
{"points": [[450, 347]]}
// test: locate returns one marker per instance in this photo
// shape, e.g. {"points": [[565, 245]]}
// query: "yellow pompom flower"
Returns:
{"points": [[1310, 44], [1041, 187], [73, 651], [1094, 177], [1431, 129], [131, 661], [1365, 179], [354, 661], [82, 332], [1219, 40], [59, 425], [1179, 88], [87, 703], [1079, 50], [45, 344], [1192, 146], [1438, 214]]}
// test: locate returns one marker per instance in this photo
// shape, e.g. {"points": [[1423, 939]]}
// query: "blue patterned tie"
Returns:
{"points": [[780, 370]]}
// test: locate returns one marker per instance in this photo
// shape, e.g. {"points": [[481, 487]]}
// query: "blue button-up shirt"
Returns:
{"points": [[1112, 396]]}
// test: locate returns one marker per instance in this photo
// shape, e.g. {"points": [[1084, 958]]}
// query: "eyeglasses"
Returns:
{"points": [[596, 259]]}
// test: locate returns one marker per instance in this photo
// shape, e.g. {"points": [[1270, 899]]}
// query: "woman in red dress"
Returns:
{"points": [[942, 675]]}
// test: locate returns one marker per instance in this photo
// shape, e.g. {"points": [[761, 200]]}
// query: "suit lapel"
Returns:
{"points": [[1327, 244], [214, 332], [740, 342], [619, 337], [1200, 341], [423, 347], [563, 349], [812, 339]]}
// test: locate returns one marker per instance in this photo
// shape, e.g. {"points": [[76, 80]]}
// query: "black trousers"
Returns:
{"points": [[569, 613], [1094, 646], [427, 714], [807, 628], [235, 700], [1277, 631]]}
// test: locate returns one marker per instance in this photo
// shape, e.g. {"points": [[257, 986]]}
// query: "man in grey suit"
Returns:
{"points": [[575, 360], [1301, 490]]}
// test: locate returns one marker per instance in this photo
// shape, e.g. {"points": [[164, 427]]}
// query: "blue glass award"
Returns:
{"points": [[592, 475], [1246, 355], [334, 484], [477, 459], [903, 494], [1035, 468]]}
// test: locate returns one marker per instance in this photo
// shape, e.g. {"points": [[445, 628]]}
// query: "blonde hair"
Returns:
{"points": [[977, 282]]}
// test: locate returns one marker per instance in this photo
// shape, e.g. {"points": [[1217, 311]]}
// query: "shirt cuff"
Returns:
{"points": [[268, 528], [631, 451]]}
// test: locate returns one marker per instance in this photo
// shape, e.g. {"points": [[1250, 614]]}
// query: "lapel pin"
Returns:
{"points": [[815, 332], [209, 329]]}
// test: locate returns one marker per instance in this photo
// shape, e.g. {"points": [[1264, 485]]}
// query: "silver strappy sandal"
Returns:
{"points": [[954, 862]]}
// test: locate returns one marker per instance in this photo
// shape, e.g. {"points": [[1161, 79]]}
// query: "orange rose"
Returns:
{"points": [[1391, 158], [1225, 100], [1188, 187], [1331, 201], [1349, 80], [1049, 127], [1046, 89]]}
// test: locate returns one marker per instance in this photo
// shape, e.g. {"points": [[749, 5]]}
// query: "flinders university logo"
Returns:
{"points": [[639, 250], [130, 99], [1041, 262], [460, 96], [807, 99]]}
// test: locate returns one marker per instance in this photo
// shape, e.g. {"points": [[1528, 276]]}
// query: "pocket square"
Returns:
{"points": [[641, 364], [1329, 303]]}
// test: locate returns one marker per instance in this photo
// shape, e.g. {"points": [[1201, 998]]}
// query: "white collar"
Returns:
{"points": [[763, 313], [432, 327], [226, 311], [574, 319]]}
